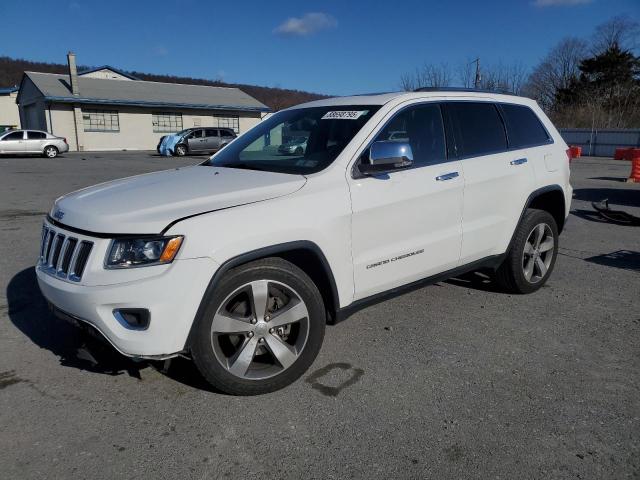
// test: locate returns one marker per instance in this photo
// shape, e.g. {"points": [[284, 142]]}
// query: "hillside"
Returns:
{"points": [[11, 70]]}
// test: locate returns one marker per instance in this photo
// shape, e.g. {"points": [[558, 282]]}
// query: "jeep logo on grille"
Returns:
{"points": [[58, 214]]}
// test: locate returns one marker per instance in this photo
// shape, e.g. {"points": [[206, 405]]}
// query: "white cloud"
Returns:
{"points": [[308, 24], [560, 3]]}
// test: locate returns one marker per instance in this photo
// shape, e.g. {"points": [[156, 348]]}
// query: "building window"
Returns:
{"points": [[223, 121], [166, 122], [100, 120]]}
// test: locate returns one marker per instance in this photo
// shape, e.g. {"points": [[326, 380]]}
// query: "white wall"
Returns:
{"points": [[9, 113], [136, 130], [104, 73]]}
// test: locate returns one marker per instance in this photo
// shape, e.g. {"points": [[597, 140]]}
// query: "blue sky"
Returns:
{"points": [[332, 46]]}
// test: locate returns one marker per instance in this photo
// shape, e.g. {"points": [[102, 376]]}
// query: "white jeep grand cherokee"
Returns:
{"points": [[239, 262]]}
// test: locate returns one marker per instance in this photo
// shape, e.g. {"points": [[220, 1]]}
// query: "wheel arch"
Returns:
{"points": [[305, 254], [550, 199]]}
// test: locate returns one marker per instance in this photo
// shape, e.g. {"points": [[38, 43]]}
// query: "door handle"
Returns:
{"points": [[519, 161], [447, 176]]}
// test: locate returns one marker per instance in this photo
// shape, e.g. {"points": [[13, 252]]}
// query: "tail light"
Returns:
{"points": [[64, 140]]}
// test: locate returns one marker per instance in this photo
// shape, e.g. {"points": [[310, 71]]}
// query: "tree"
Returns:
{"points": [[607, 91], [620, 31], [429, 75], [556, 71]]}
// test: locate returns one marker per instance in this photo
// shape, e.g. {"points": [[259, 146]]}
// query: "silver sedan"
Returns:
{"points": [[23, 142]]}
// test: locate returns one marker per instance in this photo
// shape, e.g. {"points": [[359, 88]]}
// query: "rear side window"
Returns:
{"points": [[421, 127], [524, 127], [478, 128], [209, 132], [227, 133], [36, 135]]}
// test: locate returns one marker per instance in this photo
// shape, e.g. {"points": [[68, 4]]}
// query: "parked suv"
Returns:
{"points": [[199, 140], [24, 142], [240, 261]]}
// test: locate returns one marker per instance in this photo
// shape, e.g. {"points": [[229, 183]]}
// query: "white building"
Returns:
{"points": [[9, 115], [106, 109]]}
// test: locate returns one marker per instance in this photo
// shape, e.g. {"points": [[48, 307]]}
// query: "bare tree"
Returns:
{"points": [[429, 75], [467, 73], [556, 71], [620, 30]]}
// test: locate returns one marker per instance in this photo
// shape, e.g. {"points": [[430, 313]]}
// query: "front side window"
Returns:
{"points": [[100, 120], [478, 128], [13, 136], [166, 122], [422, 128], [36, 135], [194, 134], [267, 147], [524, 127], [232, 122]]}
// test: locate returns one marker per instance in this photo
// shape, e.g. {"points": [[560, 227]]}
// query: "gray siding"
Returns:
{"points": [[601, 143]]}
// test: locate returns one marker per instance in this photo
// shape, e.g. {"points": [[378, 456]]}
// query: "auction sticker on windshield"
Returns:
{"points": [[344, 115]]}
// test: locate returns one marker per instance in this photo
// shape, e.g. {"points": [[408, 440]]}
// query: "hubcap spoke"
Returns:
{"points": [[528, 248], [546, 245], [542, 268], [528, 268], [223, 323], [538, 236], [290, 315], [259, 297], [240, 363], [282, 352]]}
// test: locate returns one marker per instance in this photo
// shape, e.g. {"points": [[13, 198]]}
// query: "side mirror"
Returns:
{"points": [[387, 157]]}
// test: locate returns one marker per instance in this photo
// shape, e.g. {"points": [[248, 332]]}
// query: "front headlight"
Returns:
{"points": [[141, 252]]}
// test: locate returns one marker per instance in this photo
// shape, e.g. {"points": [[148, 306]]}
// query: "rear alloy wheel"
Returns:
{"points": [[181, 150], [50, 151], [532, 255], [261, 330]]}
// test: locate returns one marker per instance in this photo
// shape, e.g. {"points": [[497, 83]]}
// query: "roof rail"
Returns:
{"points": [[462, 89]]}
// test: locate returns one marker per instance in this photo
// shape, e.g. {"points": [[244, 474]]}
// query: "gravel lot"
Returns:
{"points": [[454, 380]]}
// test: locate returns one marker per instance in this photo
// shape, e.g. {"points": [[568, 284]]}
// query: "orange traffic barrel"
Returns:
{"points": [[576, 152], [632, 153], [634, 176], [620, 154]]}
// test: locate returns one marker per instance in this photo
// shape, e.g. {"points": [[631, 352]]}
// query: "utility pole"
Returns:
{"points": [[478, 78]]}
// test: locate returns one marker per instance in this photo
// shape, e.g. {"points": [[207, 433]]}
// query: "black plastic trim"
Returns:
{"points": [[531, 198], [263, 253], [97, 234], [491, 262]]}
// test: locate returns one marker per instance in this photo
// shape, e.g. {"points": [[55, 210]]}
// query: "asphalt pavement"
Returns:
{"points": [[455, 380]]}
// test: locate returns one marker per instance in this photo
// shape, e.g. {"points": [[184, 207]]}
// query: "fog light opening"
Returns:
{"points": [[133, 318]]}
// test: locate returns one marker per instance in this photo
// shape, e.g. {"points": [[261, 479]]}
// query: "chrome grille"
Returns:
{"points": [[62, 255]]}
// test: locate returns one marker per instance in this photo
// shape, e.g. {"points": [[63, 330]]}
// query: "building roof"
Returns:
{"points": [[108, 67], [8, 90], [98, 91]]}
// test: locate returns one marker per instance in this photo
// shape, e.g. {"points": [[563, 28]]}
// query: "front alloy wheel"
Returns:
{"points": [[261, 327]]}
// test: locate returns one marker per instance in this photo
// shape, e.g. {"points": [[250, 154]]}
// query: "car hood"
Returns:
{"points": [[148, 203]]}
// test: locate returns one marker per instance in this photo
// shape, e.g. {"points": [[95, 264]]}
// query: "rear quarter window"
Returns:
{"points": [[478, 128], [523, 126]]}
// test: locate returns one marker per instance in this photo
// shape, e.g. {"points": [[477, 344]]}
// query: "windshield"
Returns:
{"points": [[327, 131]]}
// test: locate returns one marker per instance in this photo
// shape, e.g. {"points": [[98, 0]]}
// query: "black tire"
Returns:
{"points": [[512, 273], [180, 150], [50, 151], [299, 151], [203, 340]]}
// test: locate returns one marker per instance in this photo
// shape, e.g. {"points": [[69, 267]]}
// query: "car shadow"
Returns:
{"points": [[625, 197], [28, 311], [478, 280], [624, 259]]}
